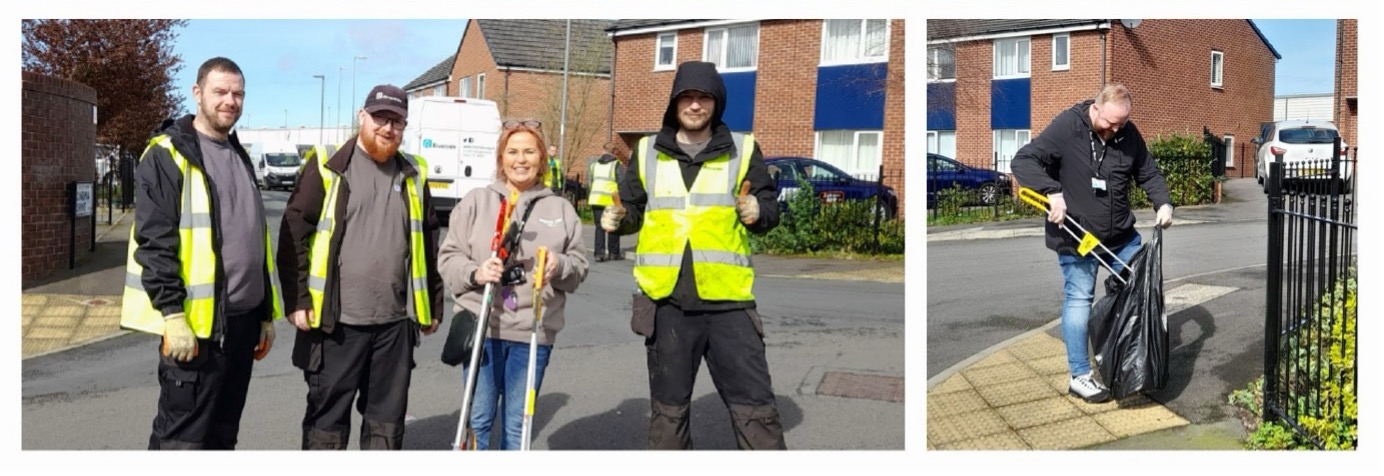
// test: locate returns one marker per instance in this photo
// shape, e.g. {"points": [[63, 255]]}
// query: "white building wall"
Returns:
{"points": [[1302, 106]]}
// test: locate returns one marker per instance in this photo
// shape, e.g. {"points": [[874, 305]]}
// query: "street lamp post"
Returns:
{"points": [[353, 89], [321, 104]]}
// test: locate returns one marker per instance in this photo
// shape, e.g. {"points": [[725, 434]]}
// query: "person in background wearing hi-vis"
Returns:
{"points": [[1084, 162], [201, 269], [358, 246], [604, 176], [554, 175], [692, 262]]}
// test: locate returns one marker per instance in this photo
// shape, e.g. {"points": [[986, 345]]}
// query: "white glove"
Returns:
{"points": [[610, 218], [748, 207], [1057, 208], [1165, 216], [178, 340]]}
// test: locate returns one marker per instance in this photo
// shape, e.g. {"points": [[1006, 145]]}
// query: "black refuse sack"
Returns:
{"points": [[1128, 329]]}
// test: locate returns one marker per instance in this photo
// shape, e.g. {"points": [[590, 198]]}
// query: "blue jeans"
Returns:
{"points": [[1079, 274], [507, 362]]}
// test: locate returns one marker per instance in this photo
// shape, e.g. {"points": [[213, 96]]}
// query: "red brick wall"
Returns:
{"points": [[785, 89], [1347, 70], [58, 146], [1051, 92], [974, 69]]}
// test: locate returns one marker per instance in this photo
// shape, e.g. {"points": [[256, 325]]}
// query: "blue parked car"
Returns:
{"points": [[829, 182], [943, 172]]}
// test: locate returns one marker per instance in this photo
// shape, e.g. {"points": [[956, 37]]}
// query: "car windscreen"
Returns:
{"points": [[283, 160], [1307, 135]]}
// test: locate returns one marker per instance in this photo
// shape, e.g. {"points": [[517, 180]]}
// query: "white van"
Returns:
{"points": [[279, 166], [457, 137]]}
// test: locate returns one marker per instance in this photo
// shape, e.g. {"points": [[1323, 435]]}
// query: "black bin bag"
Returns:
{"points": [[1128, 327]]}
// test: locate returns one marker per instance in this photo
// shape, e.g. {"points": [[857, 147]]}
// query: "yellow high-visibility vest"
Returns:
{"points": [[603, 184], [553, 179], [198, 258], [704, 216], [420, 306]]}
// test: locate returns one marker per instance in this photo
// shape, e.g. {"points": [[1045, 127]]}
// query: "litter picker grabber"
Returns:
{"points": [[531, 387], [466, 438], [1088, 241]]}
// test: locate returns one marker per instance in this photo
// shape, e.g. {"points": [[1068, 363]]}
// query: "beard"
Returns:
{"points": [[214, 119], [381, 152], [694, 125]]}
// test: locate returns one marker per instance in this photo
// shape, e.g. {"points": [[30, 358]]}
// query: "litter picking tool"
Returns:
{"points": [[539, 279], [466, 436], [1088, 241]]}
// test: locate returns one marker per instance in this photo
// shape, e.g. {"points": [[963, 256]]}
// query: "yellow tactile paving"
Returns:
{"points": [[1066, 434], [955, 383], [35, 299], [1134, 421], [1038, 412], [45, 332], [965, 426], [998, 358], [997, 374], [55, 321], [1036, 347], [1055, 365], [63, 311], [956, 403], [1006, 394], [999, 441]]}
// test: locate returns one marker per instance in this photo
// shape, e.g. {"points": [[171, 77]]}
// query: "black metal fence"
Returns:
{"points": [[1309, 361], [994, 200]]}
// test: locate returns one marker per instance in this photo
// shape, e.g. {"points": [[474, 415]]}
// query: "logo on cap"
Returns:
{"points": [[381, 95]]}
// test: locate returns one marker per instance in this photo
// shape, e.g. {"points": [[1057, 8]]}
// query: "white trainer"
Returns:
{"points": [[1086, 387]]}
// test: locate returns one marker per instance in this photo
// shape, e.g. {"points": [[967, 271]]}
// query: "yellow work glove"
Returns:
{"points": [[266, 340], [178, 340]]}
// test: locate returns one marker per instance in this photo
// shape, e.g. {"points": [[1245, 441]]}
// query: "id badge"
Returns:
{"points": [[1098, 184]]}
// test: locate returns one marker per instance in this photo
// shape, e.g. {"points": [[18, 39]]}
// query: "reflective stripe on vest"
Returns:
{"points": [[704, 217], [196, 255], [603, 184], [420, 304]]}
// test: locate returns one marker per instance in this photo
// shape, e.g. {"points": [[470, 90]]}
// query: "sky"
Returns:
{"points": [[1308, 48], [280, 57]]}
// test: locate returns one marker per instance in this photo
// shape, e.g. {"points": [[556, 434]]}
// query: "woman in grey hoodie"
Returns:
{"points": [[466, 267]]}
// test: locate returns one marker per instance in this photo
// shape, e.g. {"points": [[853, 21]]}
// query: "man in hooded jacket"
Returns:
{"points": [[692, 263]]}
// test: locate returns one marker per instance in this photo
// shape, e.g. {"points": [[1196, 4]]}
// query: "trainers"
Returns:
{"points": [[1086, 387]]}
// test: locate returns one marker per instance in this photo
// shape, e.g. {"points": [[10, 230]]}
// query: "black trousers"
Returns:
{"points": [[200, 401], [375, 361], [732, 342], [608, 243]]}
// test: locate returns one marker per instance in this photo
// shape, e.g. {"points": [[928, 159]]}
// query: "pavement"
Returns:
{"points": [[1014, 395]]}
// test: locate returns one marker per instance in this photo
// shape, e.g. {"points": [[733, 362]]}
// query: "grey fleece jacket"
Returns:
{"points": [[553, 223]]}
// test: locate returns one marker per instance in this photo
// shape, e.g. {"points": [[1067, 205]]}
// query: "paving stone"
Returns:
{"points": [[1067, 434], [955, 383], [998, 374], [955, 403], [1133, 421], [1055, 365], [64, 310], [999, 441], [1005, 394], [45, 332], [997, 358], [1038, 412], [1037, 347], [965, 426]]}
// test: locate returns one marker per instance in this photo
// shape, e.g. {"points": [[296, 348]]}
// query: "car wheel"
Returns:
{"points": [[988, 193]]}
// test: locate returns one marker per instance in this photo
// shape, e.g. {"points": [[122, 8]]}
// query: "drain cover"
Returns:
{"points": [[853, 385]]}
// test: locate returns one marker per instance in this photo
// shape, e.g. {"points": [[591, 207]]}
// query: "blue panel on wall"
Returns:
{"points": [[739, 114], [851, 97], [1009, 103], [941, 106]]}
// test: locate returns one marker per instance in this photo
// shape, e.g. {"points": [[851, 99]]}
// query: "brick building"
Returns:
{"points": [[519, 64], [58, 124], [1347, 70], [828, 89], [995, 84]]}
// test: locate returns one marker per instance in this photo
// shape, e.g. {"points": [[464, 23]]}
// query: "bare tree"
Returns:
{"points": [[588, 82]]}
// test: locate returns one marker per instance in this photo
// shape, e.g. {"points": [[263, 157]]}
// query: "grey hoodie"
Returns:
{"points": [[553, 223]]}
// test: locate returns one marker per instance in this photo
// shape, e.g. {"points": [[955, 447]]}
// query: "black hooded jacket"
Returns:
{"points": [[1066, 157], [704, 77]]}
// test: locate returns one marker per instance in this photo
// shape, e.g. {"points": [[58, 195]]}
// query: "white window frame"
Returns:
{"points": [[1217, 69], [480, 86], [859, 56], [934, 143], [1027, 135], [854, 168], [1027, 69], [933, 71], [658, 47], [464, 87], [720, 58], [1229, 142], [440, 90], [1066, 50]]}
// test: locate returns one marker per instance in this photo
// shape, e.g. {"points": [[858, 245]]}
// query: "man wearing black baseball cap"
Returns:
{"points": [[359, 294]]}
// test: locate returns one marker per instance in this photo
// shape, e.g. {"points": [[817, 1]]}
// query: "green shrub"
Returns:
{"points": [[809, 226], [1185, 161]]}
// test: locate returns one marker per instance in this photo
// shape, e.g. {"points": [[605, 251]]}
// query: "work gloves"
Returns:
{"points": [[266, 339], [610, 219], [1165, 216], [178, 340], [1057, 208], [747, 205]]}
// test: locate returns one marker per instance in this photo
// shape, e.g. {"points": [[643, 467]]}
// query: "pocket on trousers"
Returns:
{"points": [[758, 323], [642, 315], [180, 389]]}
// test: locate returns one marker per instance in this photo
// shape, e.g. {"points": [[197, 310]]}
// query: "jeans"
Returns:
{"points": [[507, 362], [1079, 274]]}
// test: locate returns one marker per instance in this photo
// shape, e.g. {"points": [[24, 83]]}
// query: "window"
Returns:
{"points": [[1229, 151], [1217, 69], [665, 56], [1007, 143], [1061, 52], [732, 48], [855, 41], [440, 90], [855, 152], [942, 143], [480, 86], [1011, 58], [464, 89], [941, 63]]}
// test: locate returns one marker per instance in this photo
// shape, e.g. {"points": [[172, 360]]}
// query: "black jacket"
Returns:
{"points": [[300, 223], [1061, 160], [700, 76], [158, 190]]}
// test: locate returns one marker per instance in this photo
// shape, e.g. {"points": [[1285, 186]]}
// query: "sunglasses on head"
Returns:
{"points": [[529, 123]]}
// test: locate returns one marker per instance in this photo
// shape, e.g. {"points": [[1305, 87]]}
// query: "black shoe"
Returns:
{"points": [[617, 257], [601, 258]]}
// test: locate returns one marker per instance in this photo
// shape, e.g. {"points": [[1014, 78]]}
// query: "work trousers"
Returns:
{"points": [[200, 401], [732, 342], [374, 361]]}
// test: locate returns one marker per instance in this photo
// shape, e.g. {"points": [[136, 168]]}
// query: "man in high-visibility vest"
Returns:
{"points": [[604, 176], [200, 270], [692, 262], [554, 177], [358, 257]]}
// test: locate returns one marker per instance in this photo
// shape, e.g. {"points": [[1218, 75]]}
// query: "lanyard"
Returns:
{"points": [[1103, 152]]}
